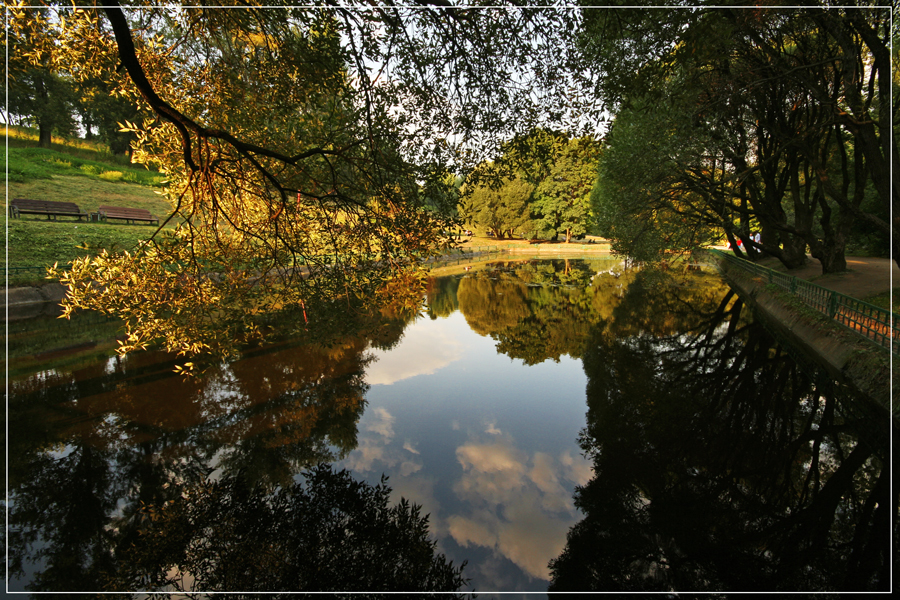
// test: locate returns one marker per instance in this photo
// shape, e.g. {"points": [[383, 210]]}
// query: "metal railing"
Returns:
{"points": [[474, 250], [873, 322]]}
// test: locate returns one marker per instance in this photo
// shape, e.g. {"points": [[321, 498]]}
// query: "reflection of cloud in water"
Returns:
{"points": [[515, 504], [521, 508], [382, 423], [471, 531], [543, 474], [426, 347], [374, 452], [419, 490], [372, 455], [578, 469]]}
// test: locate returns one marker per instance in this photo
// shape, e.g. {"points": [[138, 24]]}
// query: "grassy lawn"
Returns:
{"points": [[88, 194], [69, 157], [36, 243], [82, 173]]}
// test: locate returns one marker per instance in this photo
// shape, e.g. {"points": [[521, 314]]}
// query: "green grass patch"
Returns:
{"points": [[89, 194], [883, 300], [111, 175], [29, 164], [76, 148], [76, 171], [35, 242], [40, 244]]}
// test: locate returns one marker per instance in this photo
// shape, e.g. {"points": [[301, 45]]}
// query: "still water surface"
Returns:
{"points": [[646, 416]]}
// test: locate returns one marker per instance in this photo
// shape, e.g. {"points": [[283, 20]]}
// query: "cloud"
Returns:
{"points": [[532, 539], [491, 458], [408, 467], [375, 452], [543, 475], [419, 490], [467, 531], [364, 457]]}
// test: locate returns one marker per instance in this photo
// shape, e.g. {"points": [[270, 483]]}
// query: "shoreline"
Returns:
{"points": [[865, 277]]}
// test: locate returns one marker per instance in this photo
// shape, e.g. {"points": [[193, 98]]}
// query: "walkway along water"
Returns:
{"points": [[851, 340]]}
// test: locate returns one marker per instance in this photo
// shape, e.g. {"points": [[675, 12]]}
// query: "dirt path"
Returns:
{"points": [[864, 277]]}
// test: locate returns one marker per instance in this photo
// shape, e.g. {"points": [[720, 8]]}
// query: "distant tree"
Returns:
{"points": [[99, 109], [562, 198], [531, 155], [39, 90], [503, 210]]}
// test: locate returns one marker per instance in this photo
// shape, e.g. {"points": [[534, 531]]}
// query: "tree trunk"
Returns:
{"points": [[833, 260], [45, 138], [793, 253], [830, 252]]}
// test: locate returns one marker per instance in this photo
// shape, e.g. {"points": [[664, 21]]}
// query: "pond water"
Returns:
{"points": [[564, 423]]}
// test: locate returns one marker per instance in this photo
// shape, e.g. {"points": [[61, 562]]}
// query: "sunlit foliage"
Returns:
{"points": [[307, 149]]}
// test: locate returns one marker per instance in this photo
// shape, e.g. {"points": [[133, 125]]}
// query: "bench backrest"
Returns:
{"points": [[121, 210], [27, 204]]}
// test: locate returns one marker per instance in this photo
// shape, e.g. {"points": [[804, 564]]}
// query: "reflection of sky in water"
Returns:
{"points": [[484, 443]]}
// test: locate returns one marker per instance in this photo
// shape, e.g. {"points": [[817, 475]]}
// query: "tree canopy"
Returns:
{"points": [[768, 120], [562, 197], [297, 142], [539, 184], [501, 208]]}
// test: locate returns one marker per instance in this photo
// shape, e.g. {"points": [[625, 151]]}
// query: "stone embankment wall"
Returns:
{"points": [[847, 357], [28, 302]]}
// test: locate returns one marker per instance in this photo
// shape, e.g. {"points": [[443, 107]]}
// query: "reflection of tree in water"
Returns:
{"points": [[533, 310], [127, 434], [440, 296], [327, 533], [302, 407], [719, 466], [542, 310]]}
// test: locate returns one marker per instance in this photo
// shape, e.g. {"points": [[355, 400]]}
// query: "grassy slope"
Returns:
{"points": [[78, 172]]}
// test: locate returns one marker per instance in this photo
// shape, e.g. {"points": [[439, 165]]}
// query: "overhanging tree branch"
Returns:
{"points": [[184, 124]]}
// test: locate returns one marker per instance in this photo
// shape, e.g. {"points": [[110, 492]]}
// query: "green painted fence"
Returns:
{"points": [[871, 321]]}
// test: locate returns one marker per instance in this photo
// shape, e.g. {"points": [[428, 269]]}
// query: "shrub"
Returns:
{"points": [[111, 175]]}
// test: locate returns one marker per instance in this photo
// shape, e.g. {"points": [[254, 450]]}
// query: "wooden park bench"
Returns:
{"points": [[128, 214], [26, 206]]}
